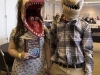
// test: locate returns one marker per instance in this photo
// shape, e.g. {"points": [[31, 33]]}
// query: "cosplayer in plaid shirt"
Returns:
{"points": [[71, 42]]}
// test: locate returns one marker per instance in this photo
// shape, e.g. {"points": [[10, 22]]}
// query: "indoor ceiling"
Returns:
{"points": [[86, 1]]}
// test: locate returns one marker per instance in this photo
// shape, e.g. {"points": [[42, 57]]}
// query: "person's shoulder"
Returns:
{"points": [[83, 23], [14, 30]]}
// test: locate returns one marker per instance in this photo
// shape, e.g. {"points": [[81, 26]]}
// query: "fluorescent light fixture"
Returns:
{"points": [[92, 2]]}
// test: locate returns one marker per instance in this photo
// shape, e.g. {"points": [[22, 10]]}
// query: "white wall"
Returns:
{"points": [[3, 32], [57, 9], [48, 11], [11, 15], [51, 9], [7, 19], [91, 9]]}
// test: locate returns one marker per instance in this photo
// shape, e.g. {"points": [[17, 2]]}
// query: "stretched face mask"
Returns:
{"points": [[31, 16], [71, 8]]}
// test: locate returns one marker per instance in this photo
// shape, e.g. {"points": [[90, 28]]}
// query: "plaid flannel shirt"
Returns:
{"points": [[71, 43]]}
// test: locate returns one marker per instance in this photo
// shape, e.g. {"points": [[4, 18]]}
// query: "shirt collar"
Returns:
{"points": [[73, 22]]}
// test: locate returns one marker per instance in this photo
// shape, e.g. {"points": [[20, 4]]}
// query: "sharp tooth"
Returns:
{"points": [[75, 7], [29, 4], [72, 7], [38, 34], [68, 6], [36, 3], [34, 32], [41, 34]]}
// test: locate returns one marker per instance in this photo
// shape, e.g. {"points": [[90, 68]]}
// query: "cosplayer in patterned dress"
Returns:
{"points": [[29, 25]]}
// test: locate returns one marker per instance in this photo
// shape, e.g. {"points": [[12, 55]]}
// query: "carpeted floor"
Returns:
{"points": [[96, 58]]}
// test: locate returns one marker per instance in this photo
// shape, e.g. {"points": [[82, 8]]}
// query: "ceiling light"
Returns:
{"points": [[92, 2]]}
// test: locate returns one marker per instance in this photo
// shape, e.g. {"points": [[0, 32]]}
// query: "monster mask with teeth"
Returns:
{"points": [[29, 26], [31, 16], [71, 8], [71, 42]]}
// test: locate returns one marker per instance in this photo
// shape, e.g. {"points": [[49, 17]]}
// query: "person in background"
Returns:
{"points": [[71, 42], [29, 25], [98, 18], [87, 19], [92, 20]]}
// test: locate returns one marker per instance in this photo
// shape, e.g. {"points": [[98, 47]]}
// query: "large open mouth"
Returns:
{"points": [[33, 9], [73, 7], [32, 17]]}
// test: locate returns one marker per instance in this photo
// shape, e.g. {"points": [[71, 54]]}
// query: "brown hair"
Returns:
{"points": [[20, 28]]}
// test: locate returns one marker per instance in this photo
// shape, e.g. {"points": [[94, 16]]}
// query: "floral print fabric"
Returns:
{"points": [[32, 66]]}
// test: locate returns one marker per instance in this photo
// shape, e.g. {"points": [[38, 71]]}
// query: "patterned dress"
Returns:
{"points": [[32, 66]]}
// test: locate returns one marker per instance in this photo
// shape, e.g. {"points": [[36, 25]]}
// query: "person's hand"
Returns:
{"points": [[25, 55], [47, 71]]}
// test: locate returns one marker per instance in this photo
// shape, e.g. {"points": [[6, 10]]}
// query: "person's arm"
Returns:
{"points": [[14, 53], [47, 50], [88, 50], [47, 54], [12, 48], [53, 38]]}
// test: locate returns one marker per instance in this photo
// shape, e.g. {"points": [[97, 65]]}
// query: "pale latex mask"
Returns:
{"points": [[31, 16], [71, 8]]}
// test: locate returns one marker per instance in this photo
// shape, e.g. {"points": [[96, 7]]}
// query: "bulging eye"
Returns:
{"points": [[36, 18], [32, 18]]}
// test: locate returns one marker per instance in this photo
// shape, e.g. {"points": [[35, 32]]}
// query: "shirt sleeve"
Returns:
{"points": [[12, 35], [46, 33], [53, 37], [88, 50]]}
